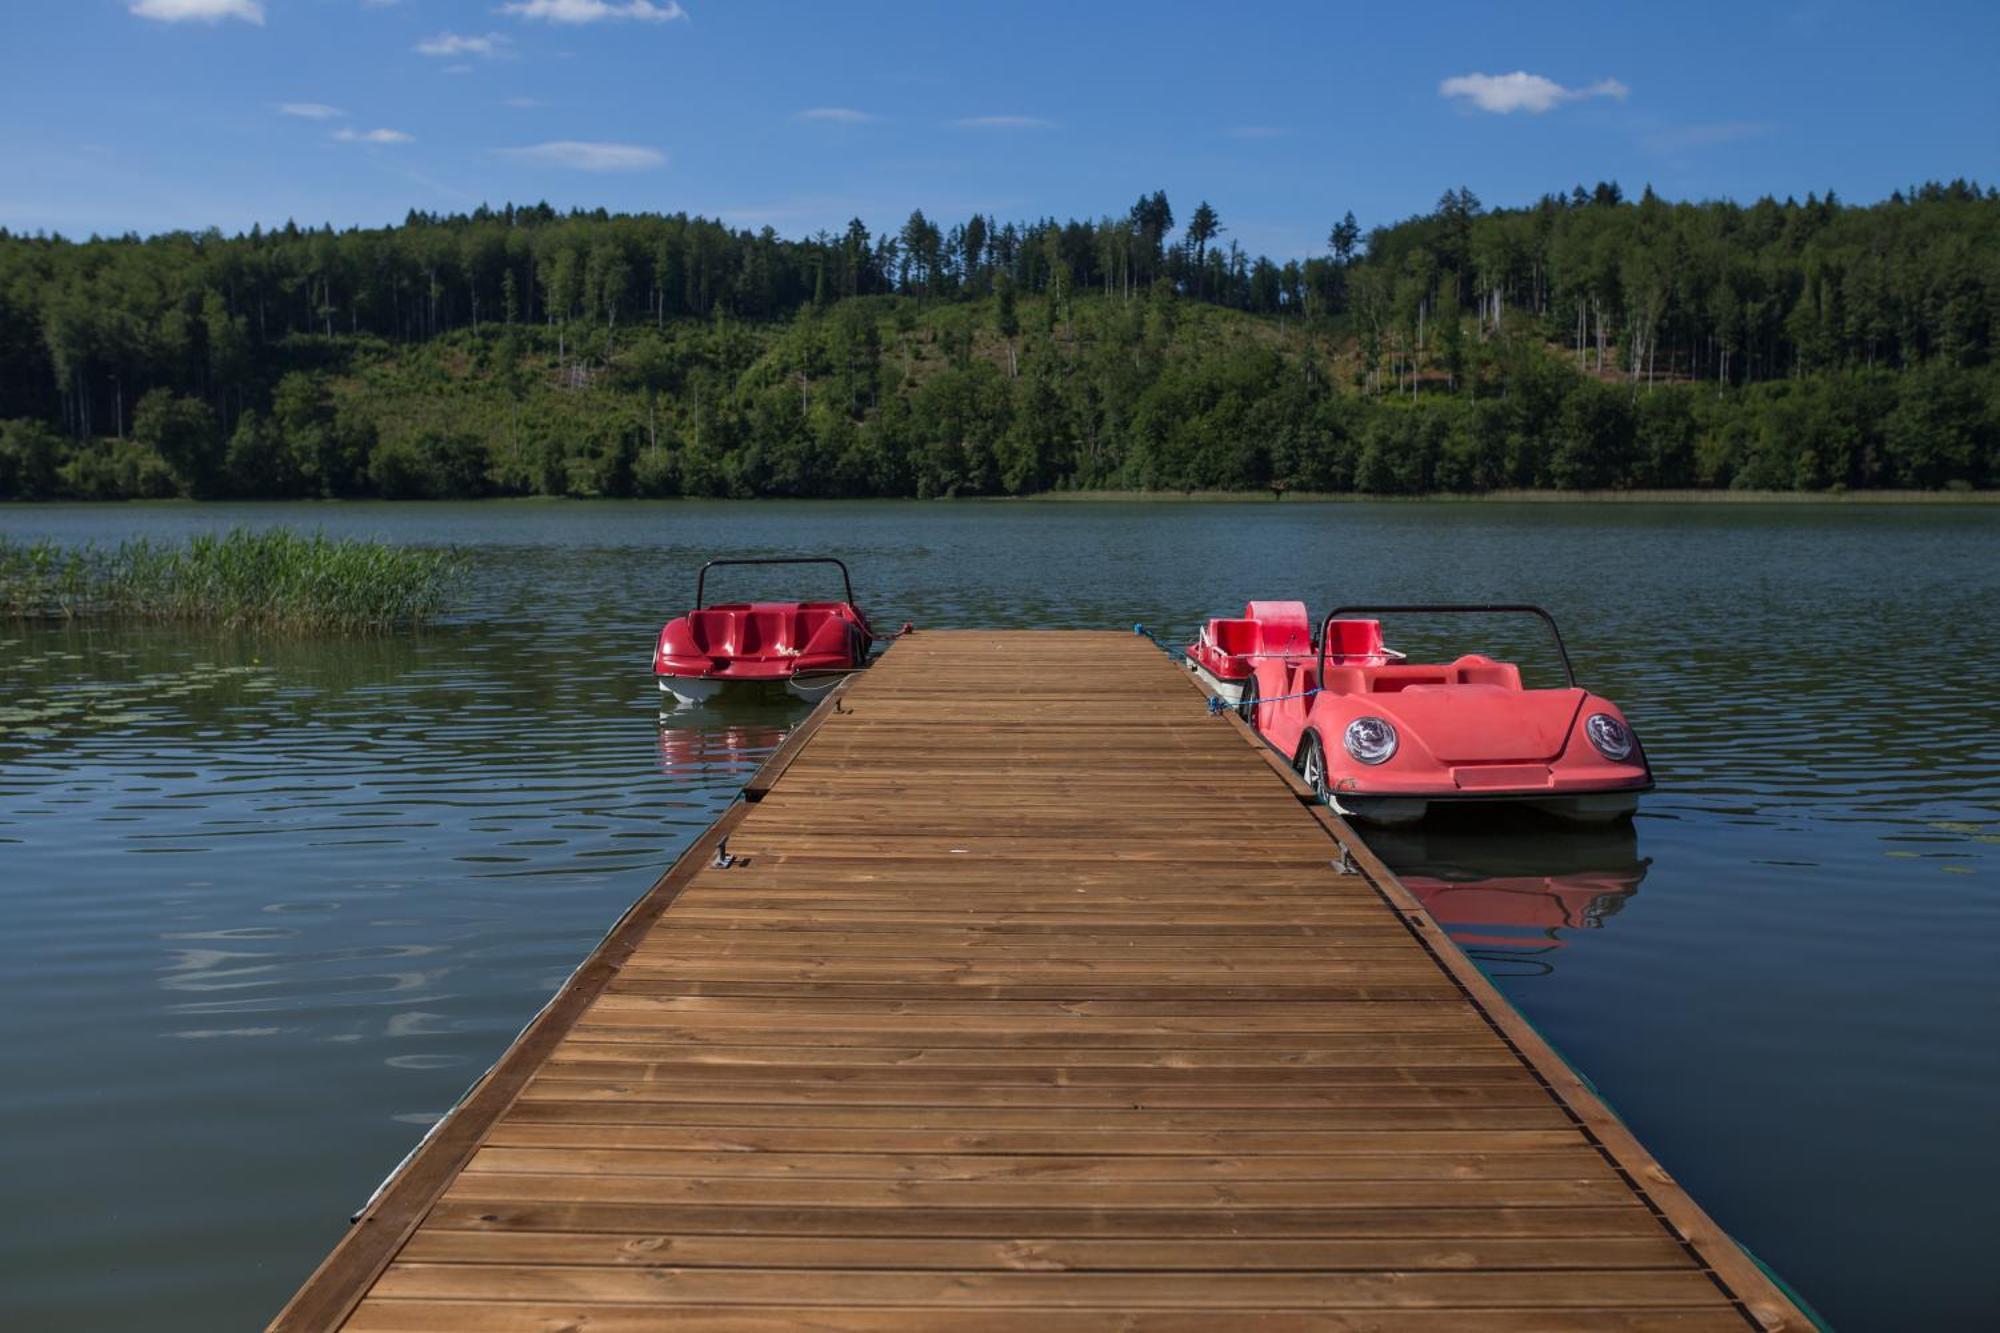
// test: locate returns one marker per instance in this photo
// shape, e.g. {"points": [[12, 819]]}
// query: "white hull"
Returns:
{"points": [[687, 691], [1606, 807], [1229, 691]]}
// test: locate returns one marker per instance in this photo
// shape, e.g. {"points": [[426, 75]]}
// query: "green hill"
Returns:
{"points": [[1584, 343]]}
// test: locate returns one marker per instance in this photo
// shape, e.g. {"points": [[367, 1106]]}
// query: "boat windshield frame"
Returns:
{"points": [[701, 579], [1448, 608]]}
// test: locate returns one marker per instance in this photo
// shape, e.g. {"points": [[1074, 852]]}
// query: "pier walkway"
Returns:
{"points": [[1026, 995]]}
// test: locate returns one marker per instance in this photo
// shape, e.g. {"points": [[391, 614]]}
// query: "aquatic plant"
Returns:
{"points": [[274, 578]]}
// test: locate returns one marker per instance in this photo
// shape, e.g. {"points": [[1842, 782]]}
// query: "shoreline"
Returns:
{"points": [[1139, 497], [1884, 497]]}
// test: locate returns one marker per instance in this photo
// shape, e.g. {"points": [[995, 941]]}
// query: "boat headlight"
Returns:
{"points": [[1612, 738], [1370, 739]]}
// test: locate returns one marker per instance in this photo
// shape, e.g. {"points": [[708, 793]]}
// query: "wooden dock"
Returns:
{"points": [[1031, 997]]}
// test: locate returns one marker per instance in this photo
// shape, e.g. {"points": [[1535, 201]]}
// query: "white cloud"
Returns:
{"points": [[593, 11], [1504, 94], [576, 156], [309, 110], [836, 115], [199, 11], [373, 136], [1004, 123], [461, 44]]}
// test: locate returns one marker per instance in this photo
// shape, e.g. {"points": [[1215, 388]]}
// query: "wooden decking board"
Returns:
{"points": [[385, 1315], [1035, 999]]}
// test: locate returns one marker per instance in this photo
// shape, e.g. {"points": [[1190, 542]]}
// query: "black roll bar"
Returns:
{"points": [[1508, 608], [846, 583]]}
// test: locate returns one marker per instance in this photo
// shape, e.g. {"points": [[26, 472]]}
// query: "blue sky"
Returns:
{"points": [[150, 115]]}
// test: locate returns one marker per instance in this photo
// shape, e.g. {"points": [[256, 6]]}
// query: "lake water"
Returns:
{"points": [[271, 904]]}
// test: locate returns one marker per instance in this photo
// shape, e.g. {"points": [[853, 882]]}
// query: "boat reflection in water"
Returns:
{"points": [[719, 754], [1512, 898]]}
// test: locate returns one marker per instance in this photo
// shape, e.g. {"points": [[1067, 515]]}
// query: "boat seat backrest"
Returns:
{"points": [[1282, 627], [1390, 679], [1237, 638], [1354, 638], [822, 629], [754, 630], [1477, 670], [766, 631], [714, 631]]}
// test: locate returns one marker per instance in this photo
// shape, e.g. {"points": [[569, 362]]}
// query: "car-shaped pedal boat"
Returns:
{"points": [[805, 647], [1385, 740]]}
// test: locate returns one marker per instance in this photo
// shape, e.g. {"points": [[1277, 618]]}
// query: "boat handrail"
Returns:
{"points": [[1454, 608], [701, 579]]}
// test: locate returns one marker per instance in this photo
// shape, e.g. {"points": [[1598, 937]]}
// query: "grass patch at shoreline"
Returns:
{"points": [[275, 579]]}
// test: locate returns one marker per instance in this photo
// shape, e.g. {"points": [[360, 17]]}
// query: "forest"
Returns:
{"points": [[1588, 341]]}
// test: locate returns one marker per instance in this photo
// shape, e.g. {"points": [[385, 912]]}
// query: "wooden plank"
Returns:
{"points": [[653, 1047], [1048, 1254], [1117, 1117], [1578, 1163], [1583, 1221], [1121, 1117], [1554, 1289], [1425, 1070], [744, 1143], [858, 1195], [1030, 1011], [434, 1316]]}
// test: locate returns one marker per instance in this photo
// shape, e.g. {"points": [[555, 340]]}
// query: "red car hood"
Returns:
{"points": [[1482, 724]]}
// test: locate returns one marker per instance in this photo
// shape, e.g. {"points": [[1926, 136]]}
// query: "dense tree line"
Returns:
{"points": [[1585, 341]]}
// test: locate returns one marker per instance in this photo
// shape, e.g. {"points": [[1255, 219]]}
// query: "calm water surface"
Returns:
{"points": [[272, 904]]}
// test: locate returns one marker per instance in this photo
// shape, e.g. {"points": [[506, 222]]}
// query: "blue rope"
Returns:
{"points": [[1216, 706], [1178, 654]]}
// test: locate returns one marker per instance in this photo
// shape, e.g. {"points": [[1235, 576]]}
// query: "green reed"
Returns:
{"points": [[274, 578]]}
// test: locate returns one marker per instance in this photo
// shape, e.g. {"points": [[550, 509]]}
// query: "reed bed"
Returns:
{"points": [[273, 579]]}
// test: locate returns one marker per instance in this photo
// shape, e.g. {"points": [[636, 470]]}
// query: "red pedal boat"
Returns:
{"points": [[807, 647], [1384, 739]]}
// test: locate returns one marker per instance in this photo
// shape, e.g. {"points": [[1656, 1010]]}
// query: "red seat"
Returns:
{"points": [[1474, 669], [763, 640], [1391, 679], [1236, 638], [1354, 638], [761, 631]]}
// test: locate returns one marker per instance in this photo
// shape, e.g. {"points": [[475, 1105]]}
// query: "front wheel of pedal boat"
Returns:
{"points": [[1246, 702], [1311, 764]]}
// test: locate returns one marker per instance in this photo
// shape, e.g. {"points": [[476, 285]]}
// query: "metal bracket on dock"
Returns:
{"points": [[1345, 865], [723, 859]]}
